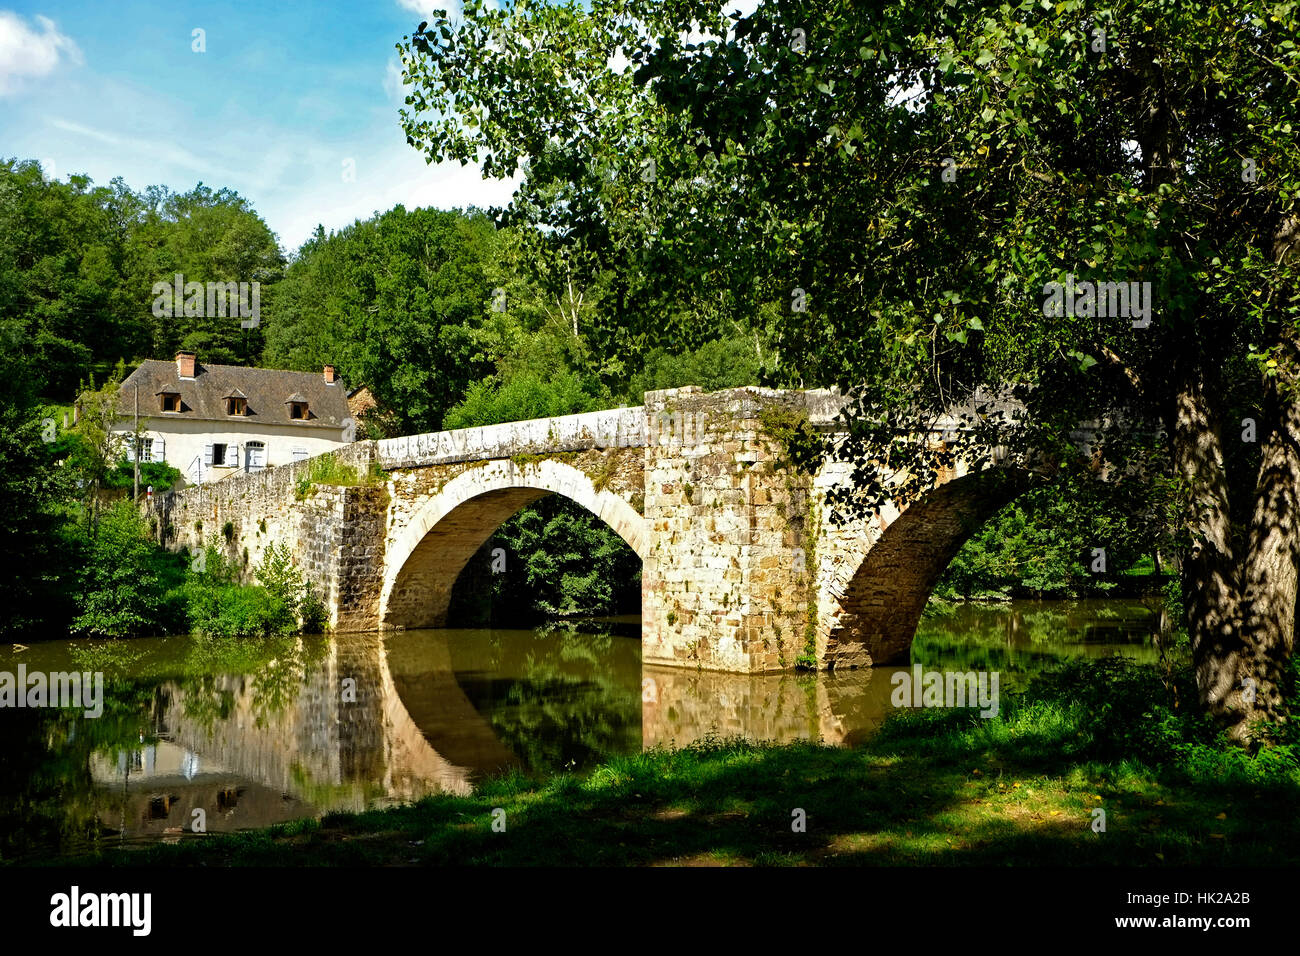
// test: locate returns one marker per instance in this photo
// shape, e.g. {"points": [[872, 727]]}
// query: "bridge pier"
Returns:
{"points": [[729, 578]]}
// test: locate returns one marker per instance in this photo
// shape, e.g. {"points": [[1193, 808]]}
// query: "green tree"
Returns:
{"points": [[1045, 544], [488, 402], [396, 302], [61, 250], [78, 264], [722, 363], [921, 173], [33, 489], [96, 448], [121, 589], [205, 235]]}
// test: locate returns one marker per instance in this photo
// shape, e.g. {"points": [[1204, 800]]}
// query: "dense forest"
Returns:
{"points": [[451, 318]]}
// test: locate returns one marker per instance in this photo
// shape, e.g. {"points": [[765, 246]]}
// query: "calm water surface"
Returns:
{"points": [[255, 733]]}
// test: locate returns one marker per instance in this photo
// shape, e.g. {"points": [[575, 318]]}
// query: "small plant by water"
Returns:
{"points": [[281, 602]]}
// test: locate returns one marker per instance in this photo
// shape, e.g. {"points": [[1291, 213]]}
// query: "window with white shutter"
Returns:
{"points": [[158, 450], [207, 455]]}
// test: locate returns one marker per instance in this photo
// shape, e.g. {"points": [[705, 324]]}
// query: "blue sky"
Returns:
{"points": [[284, 96]]}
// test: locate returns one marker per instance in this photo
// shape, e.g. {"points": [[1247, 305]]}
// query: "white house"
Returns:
{"points": [[211, 421]]}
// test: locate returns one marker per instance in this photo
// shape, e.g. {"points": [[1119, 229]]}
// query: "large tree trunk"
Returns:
{"points": [[1269, 594], [1241, 607], [1271, 568], [1211, 573]]}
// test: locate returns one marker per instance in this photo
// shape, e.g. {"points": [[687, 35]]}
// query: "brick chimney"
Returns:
{"points": [[330, 378], [185, 362]]}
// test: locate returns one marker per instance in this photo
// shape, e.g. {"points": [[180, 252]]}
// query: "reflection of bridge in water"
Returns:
{"points": [[227, 748], [680, 707], [250, 751]]}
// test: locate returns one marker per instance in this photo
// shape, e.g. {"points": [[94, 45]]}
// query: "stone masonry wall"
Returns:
{"points": [[335, 533]]}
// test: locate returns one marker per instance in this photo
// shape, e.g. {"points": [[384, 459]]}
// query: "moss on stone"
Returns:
{"points": [[808, 659], [804, 448], [521, 461]]}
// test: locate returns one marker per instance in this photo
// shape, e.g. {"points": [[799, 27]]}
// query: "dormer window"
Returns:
{"points": [[171, 401], [298, 410], [236, 403]]}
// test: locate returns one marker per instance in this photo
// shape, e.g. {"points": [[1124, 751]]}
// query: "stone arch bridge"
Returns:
{"points": [[743, 569]]}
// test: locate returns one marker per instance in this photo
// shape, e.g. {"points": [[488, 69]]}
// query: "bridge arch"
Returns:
{"points": [[880, 600], [424, 559]]}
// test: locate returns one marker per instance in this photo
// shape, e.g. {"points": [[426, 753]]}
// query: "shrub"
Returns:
{"points": [[313, 614], [126, 578], [1119, 709], [284, 586], [158, 474], [281, 602], [231, 611]]}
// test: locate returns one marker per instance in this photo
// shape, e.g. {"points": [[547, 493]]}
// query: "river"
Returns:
{"points": [[253, 733]]}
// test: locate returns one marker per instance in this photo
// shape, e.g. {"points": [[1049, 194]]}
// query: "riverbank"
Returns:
{"points": [[936, 787]]}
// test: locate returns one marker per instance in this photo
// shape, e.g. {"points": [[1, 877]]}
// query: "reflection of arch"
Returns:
{"points": [[425, 559], [415, 767], [884, 597], [331, 744]]}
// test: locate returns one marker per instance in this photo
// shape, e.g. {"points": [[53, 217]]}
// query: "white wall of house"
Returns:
{"points": [[206, 451]]}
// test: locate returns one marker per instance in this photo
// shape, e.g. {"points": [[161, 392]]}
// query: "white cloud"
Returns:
{"points": [[395, 89], [385, 177], [26, 52], [156, 149]]}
